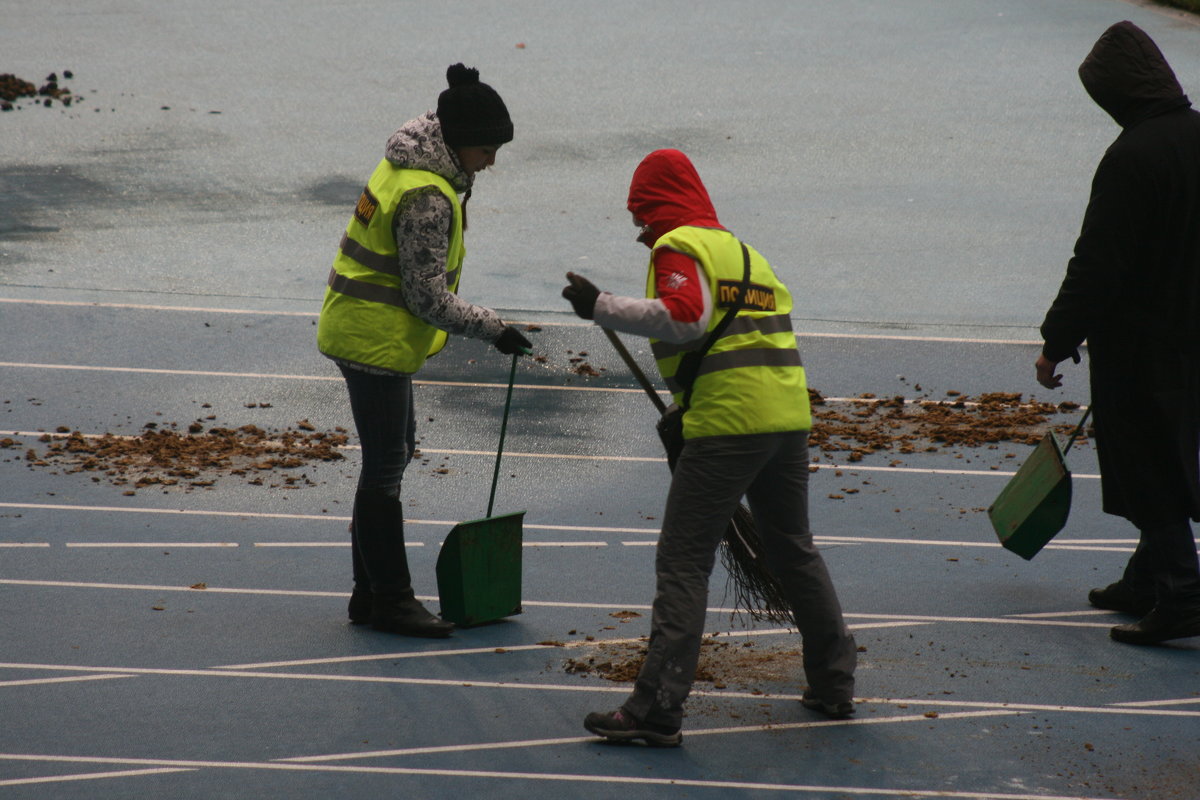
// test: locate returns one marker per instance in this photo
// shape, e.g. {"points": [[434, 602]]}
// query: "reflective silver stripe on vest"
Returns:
{"points": [[369, 258], [361, 290], [776, 323], [733, 359], [380, 263]]}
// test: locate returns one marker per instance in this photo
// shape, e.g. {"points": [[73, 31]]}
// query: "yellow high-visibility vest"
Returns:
{"points": [[752, 379], [364, 319]]}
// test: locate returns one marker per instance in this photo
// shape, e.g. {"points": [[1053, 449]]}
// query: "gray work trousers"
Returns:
{"points": [[712, 475]]}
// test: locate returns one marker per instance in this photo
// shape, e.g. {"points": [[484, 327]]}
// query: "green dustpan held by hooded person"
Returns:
{"points": [[1132, 291], [1034, 505]]}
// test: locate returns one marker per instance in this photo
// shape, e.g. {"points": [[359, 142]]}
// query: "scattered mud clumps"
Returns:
{"points": [[898, 425], [14, 89], [722, 663], [613, 662], [585, 369], [581, 367], [162, 456], [577, 364]]}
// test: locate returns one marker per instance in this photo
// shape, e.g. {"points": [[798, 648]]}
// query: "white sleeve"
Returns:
{"points": [[649, 317]]}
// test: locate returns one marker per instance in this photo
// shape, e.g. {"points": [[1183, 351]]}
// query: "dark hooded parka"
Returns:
{"points": [[1132, 289]]}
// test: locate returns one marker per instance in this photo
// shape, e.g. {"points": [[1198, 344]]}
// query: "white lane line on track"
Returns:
{"points": [[77, 679], [462, 651], [90, 776], [568, 324], [999, 473], [867, 617], [327, 678], [852, 468], [424, 598], [422, 544], [156, 371], [163, 588], [423, 382], [1064, 544], [688, 733], [321, 544], [466, 651], [1091, 545], [1113, 710], [574, 644], [1185, 701], [989, 620], [190, 512], [151, 544], [820, 540], [202, 373], [1095, 612], [550, 456], [187, 512], [146, 307], [612, 780]]}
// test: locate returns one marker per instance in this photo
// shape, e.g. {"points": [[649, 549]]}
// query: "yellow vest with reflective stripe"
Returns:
{"points": [[751, 380], [364, 319]]}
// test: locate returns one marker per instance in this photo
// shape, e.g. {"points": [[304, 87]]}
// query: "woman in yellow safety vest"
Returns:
{"points": [[390, 304], [745, 433]]}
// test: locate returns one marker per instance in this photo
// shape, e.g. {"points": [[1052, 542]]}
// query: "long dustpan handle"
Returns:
{"points": [[512, 376], [636, 370], [1078, 429]]}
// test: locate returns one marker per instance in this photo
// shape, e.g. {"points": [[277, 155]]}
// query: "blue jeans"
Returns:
{"points": [[384, 417], [386, 422]]}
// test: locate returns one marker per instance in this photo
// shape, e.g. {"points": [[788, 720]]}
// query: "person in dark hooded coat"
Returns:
{"points": [[745, 433], [1132, 290]]}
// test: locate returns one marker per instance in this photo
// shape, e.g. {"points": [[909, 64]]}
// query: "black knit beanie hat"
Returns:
{"points": [[471, 112]]}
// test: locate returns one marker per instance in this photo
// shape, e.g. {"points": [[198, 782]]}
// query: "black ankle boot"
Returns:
{"points": [[360, 608], [405, 615], [1162, 624], [1120, 597]]}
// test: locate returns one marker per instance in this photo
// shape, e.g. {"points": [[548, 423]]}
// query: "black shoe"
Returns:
{"points": [[405, 615], [842, 710], [1160, 625], [618, 726], [1119, 597], [359, 609]]}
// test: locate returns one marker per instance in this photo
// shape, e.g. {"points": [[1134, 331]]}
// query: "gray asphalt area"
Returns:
{"points": [[915, 171]]}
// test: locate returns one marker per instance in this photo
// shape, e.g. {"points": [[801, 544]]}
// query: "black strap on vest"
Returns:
{"points": [[689, 364]]}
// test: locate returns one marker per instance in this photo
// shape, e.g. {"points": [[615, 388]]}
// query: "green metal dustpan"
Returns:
{"points": [[479, 566], [1034, 505]]}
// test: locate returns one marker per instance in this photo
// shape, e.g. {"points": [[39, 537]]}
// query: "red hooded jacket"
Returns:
{"points": [[665, 193]]}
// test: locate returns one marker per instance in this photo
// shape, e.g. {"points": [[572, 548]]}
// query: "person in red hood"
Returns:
{"points": [[719, 324], [1132, 290]]}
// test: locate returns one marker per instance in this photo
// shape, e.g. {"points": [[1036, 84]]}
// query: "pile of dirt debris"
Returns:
{"points": [[849, 430], [723, 663], [14, 89], [898, 425], [163, 456]]}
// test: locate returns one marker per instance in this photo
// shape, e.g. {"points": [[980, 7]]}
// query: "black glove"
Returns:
{"points": [[512, 341], [582, 294]]}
